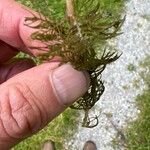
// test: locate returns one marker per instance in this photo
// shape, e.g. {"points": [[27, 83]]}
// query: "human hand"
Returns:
{"points": [[30, 97]]}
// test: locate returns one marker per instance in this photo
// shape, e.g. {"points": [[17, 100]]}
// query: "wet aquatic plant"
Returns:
{"points": [[78, 38]]}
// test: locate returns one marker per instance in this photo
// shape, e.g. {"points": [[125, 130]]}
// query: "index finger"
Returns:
{"points": [[13, 30]]}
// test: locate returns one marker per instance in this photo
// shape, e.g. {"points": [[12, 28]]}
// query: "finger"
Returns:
{"points": [[13, 30], [11, 69], [6, 52], [34, 97]]}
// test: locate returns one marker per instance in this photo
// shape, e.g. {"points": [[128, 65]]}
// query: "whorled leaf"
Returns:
{"points": [[76, 43]]}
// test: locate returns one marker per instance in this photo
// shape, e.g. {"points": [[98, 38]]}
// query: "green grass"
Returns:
{"points": [[57, 7], [63, 127], [138, 135]]}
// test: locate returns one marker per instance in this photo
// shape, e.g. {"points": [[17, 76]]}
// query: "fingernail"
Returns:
{"points": [[69, 84]]}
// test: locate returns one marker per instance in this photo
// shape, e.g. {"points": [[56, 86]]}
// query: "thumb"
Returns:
{"points": [[34, 97]]}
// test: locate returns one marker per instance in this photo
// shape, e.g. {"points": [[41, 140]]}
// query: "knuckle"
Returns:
{"points": [[19, 114]]}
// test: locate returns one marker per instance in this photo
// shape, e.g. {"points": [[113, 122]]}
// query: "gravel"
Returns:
{"points": [[118, 100]]}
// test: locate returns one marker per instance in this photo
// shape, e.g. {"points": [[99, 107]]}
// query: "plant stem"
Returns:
{"points": [[70, 10], [71, 16]]}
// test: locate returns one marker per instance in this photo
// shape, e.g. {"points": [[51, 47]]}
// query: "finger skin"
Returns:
{"points": [[9, 22], [6, 52], [16, 121], [29, 100], [16, 66], [13, 30]]}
